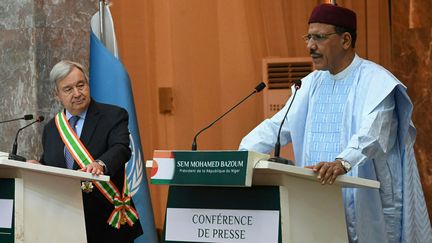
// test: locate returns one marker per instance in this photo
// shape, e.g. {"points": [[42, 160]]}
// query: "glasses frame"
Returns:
{"points": [[317, 37]]}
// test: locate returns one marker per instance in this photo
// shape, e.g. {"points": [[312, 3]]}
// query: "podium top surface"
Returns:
{"points": [[267, 167], [13, 164]]}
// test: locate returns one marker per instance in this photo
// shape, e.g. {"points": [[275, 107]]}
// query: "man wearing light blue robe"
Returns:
{"points": [[360, 114]]}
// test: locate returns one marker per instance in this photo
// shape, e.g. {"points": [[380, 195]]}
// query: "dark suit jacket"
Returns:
{"points": [[105, 134]]}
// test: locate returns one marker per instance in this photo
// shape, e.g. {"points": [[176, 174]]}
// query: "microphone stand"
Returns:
{"points": [[277, 149], [13, 154], [26, 117], [258, 88]]}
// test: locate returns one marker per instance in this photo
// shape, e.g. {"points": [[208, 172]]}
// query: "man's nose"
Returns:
{"points": [[75, 91], [311, 44]]}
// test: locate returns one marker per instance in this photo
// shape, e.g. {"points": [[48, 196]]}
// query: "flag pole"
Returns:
{"points": [[101, 21]]}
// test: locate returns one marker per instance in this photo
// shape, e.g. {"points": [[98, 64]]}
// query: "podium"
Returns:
{"points": [[287, 203], [311, 212], [47, 202]]}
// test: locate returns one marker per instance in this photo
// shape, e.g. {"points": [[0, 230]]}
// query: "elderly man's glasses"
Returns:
{"points": [[317, 37]]}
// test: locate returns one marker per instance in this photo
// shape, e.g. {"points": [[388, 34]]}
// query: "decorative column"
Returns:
{"points": [[35, 35]]}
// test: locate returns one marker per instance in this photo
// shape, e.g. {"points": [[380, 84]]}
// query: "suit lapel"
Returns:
{"points": [[90, 123]]}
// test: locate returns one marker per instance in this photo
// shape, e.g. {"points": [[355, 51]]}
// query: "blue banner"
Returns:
{"points": [[109, 83]]}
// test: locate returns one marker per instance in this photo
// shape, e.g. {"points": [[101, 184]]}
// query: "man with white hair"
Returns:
{"points": [[92, 137]]}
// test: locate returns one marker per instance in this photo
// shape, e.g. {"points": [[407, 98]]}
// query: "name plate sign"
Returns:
{"points": [[220, 225], [214, 168]]}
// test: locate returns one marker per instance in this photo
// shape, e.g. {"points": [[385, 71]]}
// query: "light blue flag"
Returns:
{"points": [[109, 83]]}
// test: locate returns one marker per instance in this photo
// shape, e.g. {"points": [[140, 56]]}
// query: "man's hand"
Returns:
{"points": [[32, 161], [328, 171], [95, 168]]}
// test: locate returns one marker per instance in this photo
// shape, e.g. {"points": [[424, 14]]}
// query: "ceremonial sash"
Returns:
{"points": [[123, 210]]}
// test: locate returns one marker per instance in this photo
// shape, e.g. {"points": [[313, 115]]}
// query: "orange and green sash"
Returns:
{"points": [[123, 210]]}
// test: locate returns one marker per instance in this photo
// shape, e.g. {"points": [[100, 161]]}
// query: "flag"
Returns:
{"points": [[110, 83], [163, 167]]}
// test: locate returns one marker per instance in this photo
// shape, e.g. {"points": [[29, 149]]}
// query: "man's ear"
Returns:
{"points": [[346, 40]]}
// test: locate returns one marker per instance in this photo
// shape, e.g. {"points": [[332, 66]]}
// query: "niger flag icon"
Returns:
{"points": [[163, 167]]}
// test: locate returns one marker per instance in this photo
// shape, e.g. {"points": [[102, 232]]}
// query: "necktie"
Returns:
{"points": [[69, 159]]}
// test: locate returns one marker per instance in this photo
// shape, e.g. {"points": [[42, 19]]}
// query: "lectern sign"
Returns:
{"points": [[217, 168], [221, 225]]}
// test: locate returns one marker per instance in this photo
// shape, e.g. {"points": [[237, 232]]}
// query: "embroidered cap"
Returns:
{"points": [[332, 14]]}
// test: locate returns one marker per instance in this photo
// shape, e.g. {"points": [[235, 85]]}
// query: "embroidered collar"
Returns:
{"points": [[344, 73]]}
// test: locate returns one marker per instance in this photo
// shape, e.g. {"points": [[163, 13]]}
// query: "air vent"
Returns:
{"points": [[279, 73], [282, 71]]}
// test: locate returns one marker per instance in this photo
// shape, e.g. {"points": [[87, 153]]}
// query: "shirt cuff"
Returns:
{"points": [[354, 157]]}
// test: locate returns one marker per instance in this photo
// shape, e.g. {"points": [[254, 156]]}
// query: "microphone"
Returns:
{"points": [[277, 158], [25, 117], [13, 154], [257, 89]]}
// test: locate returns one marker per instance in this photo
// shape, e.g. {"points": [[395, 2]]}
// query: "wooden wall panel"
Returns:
{"points": [[237, 76], [274, 27], [195, 63], [296, 16], [378, 35]]}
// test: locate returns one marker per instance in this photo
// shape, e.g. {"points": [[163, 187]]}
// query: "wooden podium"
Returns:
{"points": [[306, 210], [47, 202], [310, 212]]}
